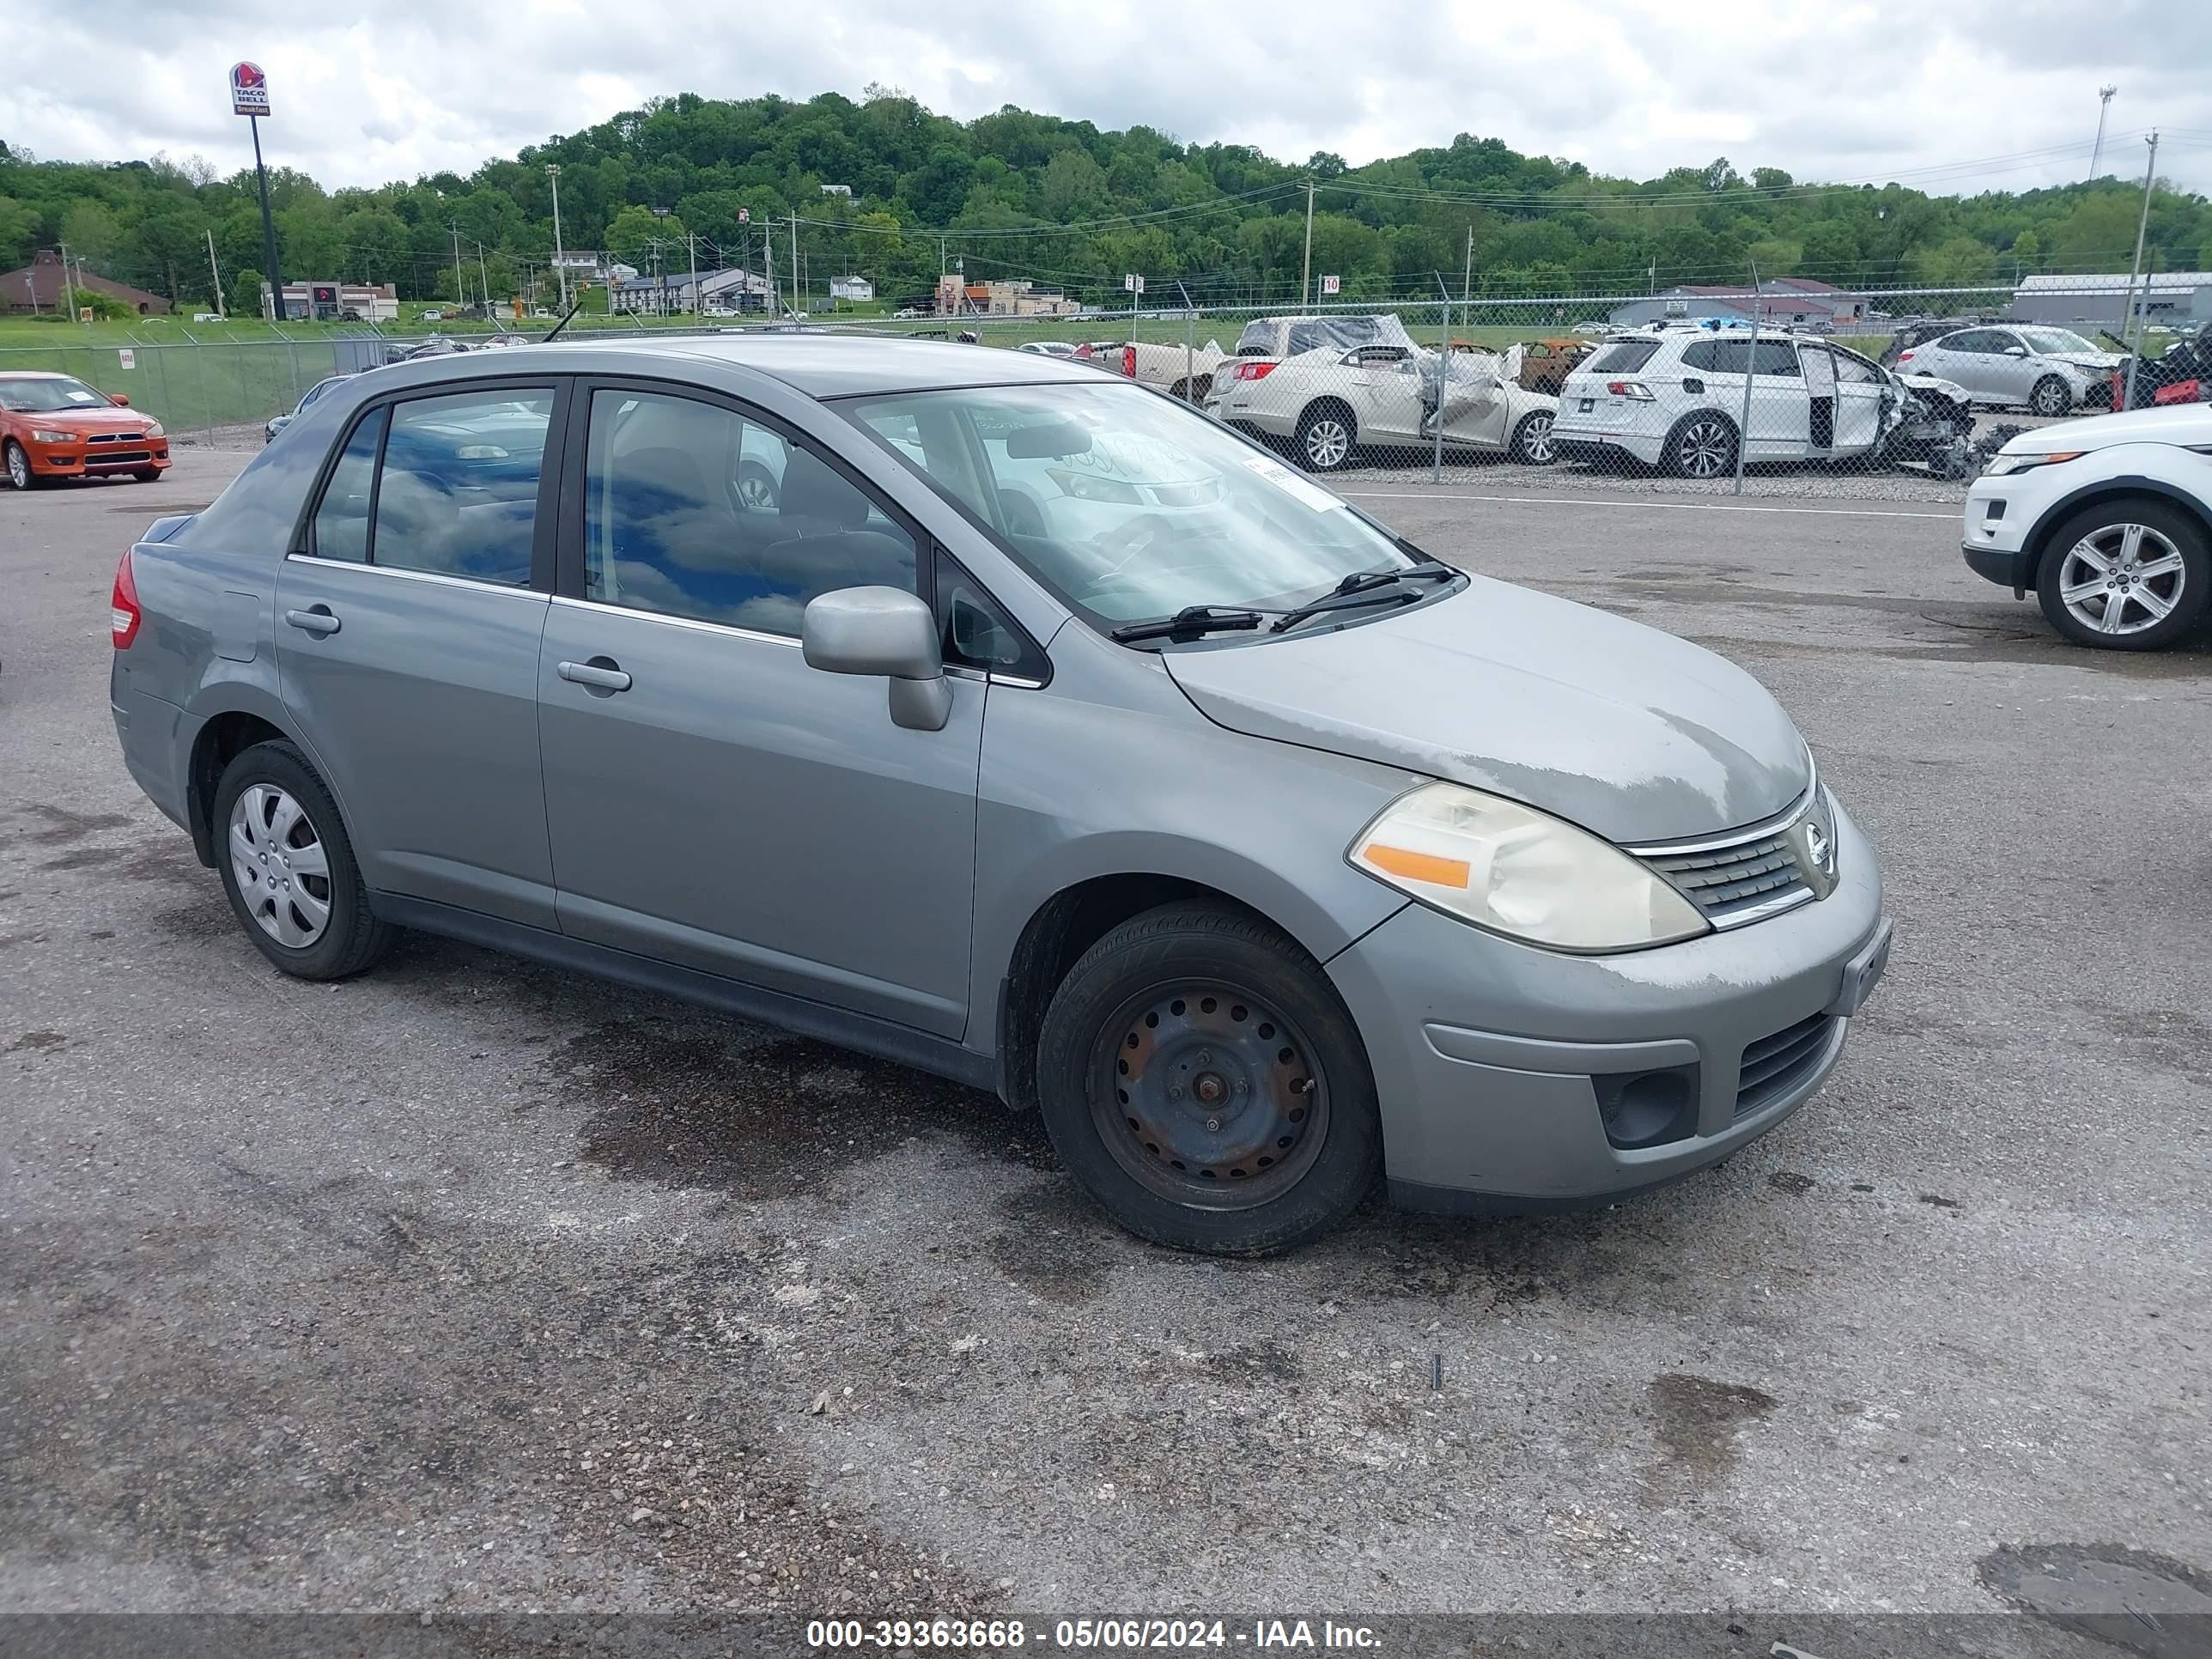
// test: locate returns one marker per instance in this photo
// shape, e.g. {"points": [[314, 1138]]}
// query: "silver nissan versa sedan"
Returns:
{"points": [[1032, 730]]}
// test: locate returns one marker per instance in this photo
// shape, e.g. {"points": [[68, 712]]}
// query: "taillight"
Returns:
{"points": [[1129, 361], [123, 613], [1251, 371], [1631, 389], [1904, 356]]}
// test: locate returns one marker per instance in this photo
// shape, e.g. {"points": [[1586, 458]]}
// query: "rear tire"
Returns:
{"points": [[1703, 445], [2051, 398], [275, 827], [1327, 431], [1532, 443], [1200, 1077], [2172, 567]]}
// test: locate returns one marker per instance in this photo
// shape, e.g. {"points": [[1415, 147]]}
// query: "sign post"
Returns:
{"points": [[1330, 286], [249, 96], [1135, 284]]}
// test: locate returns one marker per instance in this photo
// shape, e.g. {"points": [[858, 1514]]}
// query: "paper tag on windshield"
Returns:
{"points": [[1302, 491]]}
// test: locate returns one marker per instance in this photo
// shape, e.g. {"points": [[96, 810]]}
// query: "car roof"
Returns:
{"points": [[819, 365], [33, 375]]}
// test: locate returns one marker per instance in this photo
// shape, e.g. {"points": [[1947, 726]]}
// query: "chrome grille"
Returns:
{"points": [[1727, 882]]}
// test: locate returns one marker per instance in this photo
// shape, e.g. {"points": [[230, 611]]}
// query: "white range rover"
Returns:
{"points": [[2107, 520], [1674, 398]]}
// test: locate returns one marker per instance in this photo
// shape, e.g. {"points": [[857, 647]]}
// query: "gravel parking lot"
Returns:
{"points": [[474, 1286]]}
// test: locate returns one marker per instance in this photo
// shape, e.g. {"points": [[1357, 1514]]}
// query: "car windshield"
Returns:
{"points": [[41, 396], [1127, 505], [2055, 340]]}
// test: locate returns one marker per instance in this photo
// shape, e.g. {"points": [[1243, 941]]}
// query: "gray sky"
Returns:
{"points": [[1829, 89]]}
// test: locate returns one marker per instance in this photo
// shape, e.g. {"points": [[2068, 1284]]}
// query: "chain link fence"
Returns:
{"points": [[1902, 393]]}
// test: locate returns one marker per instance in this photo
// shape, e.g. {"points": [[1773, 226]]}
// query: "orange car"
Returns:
{"points": [[54, 426], [1545, 364]]}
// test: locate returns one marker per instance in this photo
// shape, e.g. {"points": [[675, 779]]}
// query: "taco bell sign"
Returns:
{"points": [[249, 89]]}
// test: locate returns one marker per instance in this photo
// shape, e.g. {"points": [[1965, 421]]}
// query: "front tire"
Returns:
{"points": [[148, 474], [19, 466], [289, 867], [1200, 1077], [2051, 398], [1703, 445], [2133, 574], [1326, 432], [1532, 444]]}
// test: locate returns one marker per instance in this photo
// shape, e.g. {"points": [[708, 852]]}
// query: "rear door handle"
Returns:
{"points": [[318, 621], [600, 671]]}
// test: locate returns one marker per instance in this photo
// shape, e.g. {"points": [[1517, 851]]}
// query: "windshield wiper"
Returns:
{"points": [[1358, 589], [1190, 622]]}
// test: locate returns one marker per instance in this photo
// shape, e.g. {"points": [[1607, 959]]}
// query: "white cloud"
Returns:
{"points": [[1876, 89]]}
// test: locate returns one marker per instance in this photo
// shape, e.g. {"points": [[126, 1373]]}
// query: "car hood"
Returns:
{"points": [[1630, 733], [2172, 423], [2093, 360], [91, 419], [1935, 383]]}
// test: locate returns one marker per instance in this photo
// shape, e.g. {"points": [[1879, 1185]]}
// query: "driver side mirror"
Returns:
{"points": [[884, 631], [2015, 351], [120, 400]]}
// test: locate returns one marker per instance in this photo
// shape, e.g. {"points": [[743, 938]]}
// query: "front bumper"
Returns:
{"points": [[2000, 514], [97, 460], [1489, 1055]]}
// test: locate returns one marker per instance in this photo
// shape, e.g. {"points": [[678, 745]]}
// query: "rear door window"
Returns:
{"points": [[456, 495]]}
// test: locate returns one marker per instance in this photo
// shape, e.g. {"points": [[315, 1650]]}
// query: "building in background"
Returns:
{"points": [[1019, 297], [40, 285], [728, 291], [856, 290], [2167, 298], [1783, 301], [337, 302]]}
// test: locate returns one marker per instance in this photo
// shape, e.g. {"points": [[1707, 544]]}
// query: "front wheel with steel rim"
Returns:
{"points": [[289, 868], [1701, 446], [1532, 440], [19, 466], [1199, 1075], [1326, 432], [2133, 574], [2051, 397]]}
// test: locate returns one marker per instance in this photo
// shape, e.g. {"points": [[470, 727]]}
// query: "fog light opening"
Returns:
{"points": [[1647, 1109]]}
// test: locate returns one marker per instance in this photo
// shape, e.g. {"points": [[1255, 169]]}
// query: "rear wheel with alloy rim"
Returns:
{"points": [[1701, 446], [289, 868], [1199, 1075], [1325, 436], [2126, 575], [1532, 440]]}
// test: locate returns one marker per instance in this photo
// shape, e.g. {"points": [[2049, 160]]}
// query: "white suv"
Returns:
{"points": [[1674, 398], [2109, 519]]}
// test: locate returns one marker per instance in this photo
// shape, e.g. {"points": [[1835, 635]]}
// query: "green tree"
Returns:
{"points": [[19, 224], [91, 232]]}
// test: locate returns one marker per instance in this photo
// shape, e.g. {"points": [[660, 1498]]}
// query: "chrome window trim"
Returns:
{"points": [[404, 574], [729, 628]]}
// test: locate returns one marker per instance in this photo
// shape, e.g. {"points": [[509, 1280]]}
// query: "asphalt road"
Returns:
{"points": [[472, 1285]]}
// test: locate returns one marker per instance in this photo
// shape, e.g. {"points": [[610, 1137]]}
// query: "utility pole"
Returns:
{"points": [[794, 261], [659, 274], [69, 283], [560, 262], [485, 277], [2135, 307], [692, 238], [460, 283], [1305, 267], [215, 271], [2104, 102], [1467, 282], [768, 265]]}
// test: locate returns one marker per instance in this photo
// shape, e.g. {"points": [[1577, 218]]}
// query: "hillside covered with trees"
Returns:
{"points": [[1015, 194]]}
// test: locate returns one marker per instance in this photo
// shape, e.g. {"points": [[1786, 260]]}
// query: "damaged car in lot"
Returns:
{"points": [[1192, 830], [2046, 371], [1674, 398], [1329, 402]]}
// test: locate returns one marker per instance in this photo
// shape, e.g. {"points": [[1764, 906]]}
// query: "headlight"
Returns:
{"points": [[1518, 871], [2000, 466], [39, 434], [154, 431]]}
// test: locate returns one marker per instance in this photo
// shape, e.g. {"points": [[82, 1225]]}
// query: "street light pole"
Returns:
{"points": [[1305, 265], [2135, 307], [2104, 102], [560, 262]]}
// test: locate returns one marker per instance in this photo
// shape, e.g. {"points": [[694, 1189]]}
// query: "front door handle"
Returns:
{"points": [[318, 621], [600, 672]]}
